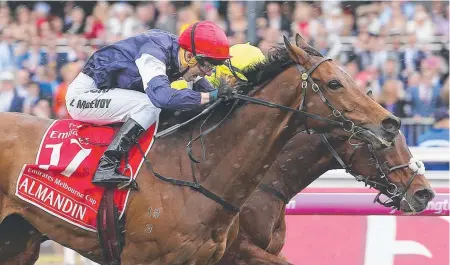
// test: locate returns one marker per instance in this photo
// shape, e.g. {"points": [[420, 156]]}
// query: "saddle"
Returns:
{"points": [[59, 182]]}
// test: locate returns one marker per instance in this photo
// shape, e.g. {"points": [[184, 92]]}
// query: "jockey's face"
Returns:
{"points": [[195, 69]]}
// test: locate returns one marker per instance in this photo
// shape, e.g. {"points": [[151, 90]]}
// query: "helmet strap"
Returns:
{"points": [[193, 39], [234, 70]]}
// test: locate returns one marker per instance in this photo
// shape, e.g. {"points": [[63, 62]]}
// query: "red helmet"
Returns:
{"points": [[210, 41]]}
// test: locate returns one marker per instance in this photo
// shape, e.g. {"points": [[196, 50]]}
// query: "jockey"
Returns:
{"points": [[129, 81], [243, 55]]}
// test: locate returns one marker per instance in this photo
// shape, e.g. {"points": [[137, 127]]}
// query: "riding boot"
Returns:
{"points": [[107, 172]]}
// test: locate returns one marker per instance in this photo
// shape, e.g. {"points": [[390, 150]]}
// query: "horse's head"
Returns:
{"points": [[336, 96], [392, 171]]}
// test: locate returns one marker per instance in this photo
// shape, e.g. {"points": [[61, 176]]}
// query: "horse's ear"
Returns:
{"points": [[370, 94], [297, 54], [300, 41]]}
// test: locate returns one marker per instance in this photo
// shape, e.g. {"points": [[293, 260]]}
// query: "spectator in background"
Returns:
{"points": [[33, 56], [422, 25], [76, 24], [392, 98], [121, 23], [95, 24], [42, 109], [68, 73], [396, 23], [41, 12], [424, 97], [379, 52], [333, 21], [276, 20], [52, 57], [23, 19], [186, 17], [362, 49], [390, 70], [76, 50], [439, 134], [396, 49], [32, 97], [5, 17], [413, 80], [271, 38], [328, 45], [440, 17], [166, 19], [212, 14], [30, 39], [22, 82], [42, 77], [146, 15], [236, 22], [10, 100], [301, 20], [57, 26], [7, 60], [352, 68], [412, 56]]}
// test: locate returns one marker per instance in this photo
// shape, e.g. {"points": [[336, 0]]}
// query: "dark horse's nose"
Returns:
{"points": [[391, 124], [424, 195]]}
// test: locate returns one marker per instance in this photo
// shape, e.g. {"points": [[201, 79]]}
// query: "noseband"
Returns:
{"points": [[381, 181]]}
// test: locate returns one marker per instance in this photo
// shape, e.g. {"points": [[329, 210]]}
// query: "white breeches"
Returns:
{"points": [[85, 102]]}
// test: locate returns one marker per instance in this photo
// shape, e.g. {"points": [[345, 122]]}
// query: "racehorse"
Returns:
{"points": [[193, 228], [306, 157]]}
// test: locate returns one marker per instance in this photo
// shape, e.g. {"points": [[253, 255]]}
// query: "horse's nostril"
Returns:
{"points": [[391, 124], [424, 195]]}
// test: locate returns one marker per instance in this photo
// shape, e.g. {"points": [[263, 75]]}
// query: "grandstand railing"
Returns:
{"points": [[413, 128], [359, 201]]}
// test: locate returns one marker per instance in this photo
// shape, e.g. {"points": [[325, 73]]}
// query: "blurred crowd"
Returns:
{"points": [[392, 51]]}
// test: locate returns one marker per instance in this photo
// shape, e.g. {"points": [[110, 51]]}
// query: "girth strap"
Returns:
{"points": [[194, 185], [274, 192]]}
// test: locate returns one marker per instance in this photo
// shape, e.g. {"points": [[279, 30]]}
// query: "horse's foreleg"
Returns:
{"points": [[29, 256], [19, 242]]}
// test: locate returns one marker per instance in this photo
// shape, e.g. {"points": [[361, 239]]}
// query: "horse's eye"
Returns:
{"points": [[334, 84]]}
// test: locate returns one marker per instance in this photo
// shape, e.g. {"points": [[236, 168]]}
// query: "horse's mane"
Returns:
{"points": [[277, 60]]}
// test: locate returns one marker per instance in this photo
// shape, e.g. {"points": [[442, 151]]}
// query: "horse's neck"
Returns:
{"points": [[243, 148], [304, 159]]}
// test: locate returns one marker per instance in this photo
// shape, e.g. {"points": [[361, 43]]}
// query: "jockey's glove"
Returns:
{"points": [[224, 92]]}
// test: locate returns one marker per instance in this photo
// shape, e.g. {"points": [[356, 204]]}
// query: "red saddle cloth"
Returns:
{"points": [[60, 180]]}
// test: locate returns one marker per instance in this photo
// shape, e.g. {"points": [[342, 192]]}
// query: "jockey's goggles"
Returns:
{"points": [[207, 64]]}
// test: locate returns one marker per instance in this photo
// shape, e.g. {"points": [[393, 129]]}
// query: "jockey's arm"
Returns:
{"points": [[151, 63]]}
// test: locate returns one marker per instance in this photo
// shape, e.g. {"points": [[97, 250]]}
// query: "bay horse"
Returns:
{"points": [[191, 228], [262, 228]]}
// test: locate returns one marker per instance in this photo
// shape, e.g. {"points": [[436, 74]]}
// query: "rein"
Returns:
{"points": [[346, 124]]}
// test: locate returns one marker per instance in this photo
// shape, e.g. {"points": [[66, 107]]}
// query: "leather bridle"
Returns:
{"points": [[381, 181], [346, 124]]}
